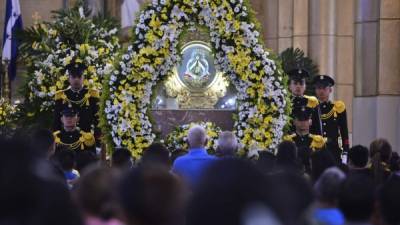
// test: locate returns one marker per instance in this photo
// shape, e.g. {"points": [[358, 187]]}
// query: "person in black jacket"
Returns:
{"points": [[333, 116], [83, 100]]}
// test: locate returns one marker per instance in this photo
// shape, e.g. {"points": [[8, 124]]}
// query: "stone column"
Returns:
{"points": [[377, 72], [322, 41], [278, 23], [344, 67]]}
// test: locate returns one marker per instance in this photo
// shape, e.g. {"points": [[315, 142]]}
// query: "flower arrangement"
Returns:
{"points": [[255, 72], [177, 139], [73, 37], [8, 116]]}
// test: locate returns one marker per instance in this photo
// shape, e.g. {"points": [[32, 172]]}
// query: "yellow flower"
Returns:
{"points": [[83, 49]]}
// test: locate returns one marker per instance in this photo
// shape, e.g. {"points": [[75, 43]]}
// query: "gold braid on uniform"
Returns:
{"points": [[338, 107], [84, 101], [86, 138], [317, 142], [289, 137]]}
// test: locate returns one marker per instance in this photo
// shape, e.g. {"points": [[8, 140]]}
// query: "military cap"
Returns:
{"points": [[75, 69], [69, 112], [302, 113], [323, 80], [298, 74]]}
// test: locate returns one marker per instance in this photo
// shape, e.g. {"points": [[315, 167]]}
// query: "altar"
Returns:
{"points": [[167, 120]]}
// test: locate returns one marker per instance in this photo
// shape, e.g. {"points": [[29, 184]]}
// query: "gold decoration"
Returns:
{"points": [[194, 99], [318, 142], [312, 101], [339, 106]]}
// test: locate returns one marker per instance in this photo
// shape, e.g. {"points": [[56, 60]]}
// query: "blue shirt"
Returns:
{"points": [[192, 165], [331, 216]]}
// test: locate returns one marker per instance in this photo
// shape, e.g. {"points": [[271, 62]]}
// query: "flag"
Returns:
{"points": [[12, 22]]}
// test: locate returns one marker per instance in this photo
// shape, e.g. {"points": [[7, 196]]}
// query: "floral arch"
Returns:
{"points": [[258, 78]]}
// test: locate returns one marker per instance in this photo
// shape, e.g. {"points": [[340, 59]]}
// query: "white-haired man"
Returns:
{"points": [[192, 165], [227, 144]]}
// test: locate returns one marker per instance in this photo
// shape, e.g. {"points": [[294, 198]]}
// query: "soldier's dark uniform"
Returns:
{"points": [[310, 102], [76, 139], [309, 140], [85, 102], [307, 143], [334, 119]]}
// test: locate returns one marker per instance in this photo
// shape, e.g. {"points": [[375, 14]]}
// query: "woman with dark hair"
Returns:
{"points": [[151, 195], [380, 152], [96, 194]]}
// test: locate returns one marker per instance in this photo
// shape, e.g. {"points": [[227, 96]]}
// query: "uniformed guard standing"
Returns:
{"points": [[70, 136], [297, 87], [84, 101], [333, 116], [305, 142], [302, 136]]}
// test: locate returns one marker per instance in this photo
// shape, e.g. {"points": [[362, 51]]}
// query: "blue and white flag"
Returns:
{"points": [[12, 22]]}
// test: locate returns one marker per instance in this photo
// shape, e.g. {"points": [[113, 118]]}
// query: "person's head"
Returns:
{"points": [[197, 137], [381, 148], [358, 156], [380, 152], [302, 119], [323, 87], [266, 161], [328, 186], [67, 159], [228, 190], [152, 196], [286, 155], [297, 81], [227, 144], [156, 153], [43, 142], [26, 197], [356, 198], [85, 159], [69, 118], [389, 201], [96, 192], [75, 75], [320, 161], [121, 158]]}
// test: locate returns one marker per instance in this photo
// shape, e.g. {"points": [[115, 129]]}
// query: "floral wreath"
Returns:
{"points": [[177, 139], [72, 37], [259, 80]]}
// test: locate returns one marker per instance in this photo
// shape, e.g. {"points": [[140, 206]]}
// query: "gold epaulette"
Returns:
{"points": [[339, 106], [312, 101], [94, 93], [289, 137], [87, 138], [317, 142], [57, 140], [60, 95]]}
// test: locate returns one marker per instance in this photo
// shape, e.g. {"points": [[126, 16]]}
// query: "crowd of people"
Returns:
{"points": [[313, 177], [42, 185]]}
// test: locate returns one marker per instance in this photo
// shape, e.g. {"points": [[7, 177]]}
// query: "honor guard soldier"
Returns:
{"points": [[84, 101], [302, 136], [70, 136], [297, 87], [333, 116]]}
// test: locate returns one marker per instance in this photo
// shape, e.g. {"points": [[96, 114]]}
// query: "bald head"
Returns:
{"points": [[197, 137]]}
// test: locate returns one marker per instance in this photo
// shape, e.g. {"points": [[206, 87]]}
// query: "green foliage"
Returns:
{"points": [[295, 58], [71, 34]]}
